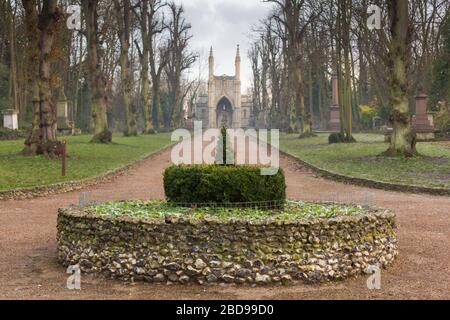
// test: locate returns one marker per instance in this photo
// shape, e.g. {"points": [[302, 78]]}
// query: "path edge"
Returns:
{"points": [[70, 186], [367, 182]]}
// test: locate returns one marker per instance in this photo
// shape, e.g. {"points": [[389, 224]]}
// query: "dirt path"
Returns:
{"points": [[28, 267]]}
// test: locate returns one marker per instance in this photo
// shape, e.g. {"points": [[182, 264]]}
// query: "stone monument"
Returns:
{"points": [[64, 125], [335, 120], [10, 119], [421, 124]]}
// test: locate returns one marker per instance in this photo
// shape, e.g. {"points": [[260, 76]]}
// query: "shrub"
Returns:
{"points": [[8, 134], [204, 184], [367, 113], [442, 121], [336, 138]]}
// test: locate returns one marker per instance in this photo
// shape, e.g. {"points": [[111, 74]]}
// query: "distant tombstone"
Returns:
{"points": [[335, 119], [377, 123], [10, 119], [64, 125], [422, 125]]}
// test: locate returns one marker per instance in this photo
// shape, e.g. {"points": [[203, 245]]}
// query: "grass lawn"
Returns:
{"points": [[362, 159], [85, 160]]}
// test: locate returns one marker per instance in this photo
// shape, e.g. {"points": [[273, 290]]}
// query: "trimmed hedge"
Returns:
{"points": [[205, 184]]}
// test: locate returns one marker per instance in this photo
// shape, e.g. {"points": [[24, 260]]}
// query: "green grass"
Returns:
{"points": [[85, 160], [160, 209], [363, 160]]}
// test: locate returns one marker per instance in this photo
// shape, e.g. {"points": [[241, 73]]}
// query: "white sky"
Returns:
{"points": [[223, 24]]}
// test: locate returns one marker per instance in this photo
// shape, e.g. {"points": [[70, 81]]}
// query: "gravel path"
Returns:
{"points": [[28, 267]]}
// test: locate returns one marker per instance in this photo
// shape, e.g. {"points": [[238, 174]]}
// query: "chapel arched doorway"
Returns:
{"points": [[224, 113]]}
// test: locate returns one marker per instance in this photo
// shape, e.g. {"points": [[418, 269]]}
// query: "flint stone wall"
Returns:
{"points": [[180, 250]]}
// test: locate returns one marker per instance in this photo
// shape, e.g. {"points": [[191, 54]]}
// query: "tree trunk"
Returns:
{"points": [[145, 82], [294, 45], [32, 62], [97, 80], [14, 94], [340, 75], [347, 85], [123, 13], [42, 139], [77, 84], [156, 69], [403, 140], [156, 110]]}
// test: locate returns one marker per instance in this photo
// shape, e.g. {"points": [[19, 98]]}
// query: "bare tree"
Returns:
{"points": [[179, 60], [158, 56], [295, 17]]}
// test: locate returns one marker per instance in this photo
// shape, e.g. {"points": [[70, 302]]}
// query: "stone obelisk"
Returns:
{"points": [[335, 123]]}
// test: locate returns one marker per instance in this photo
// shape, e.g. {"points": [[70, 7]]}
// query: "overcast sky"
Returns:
{"points": [[223, 24]]}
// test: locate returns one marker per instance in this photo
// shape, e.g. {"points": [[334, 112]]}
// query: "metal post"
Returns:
{"points": [[84, 199], [64, 158]]}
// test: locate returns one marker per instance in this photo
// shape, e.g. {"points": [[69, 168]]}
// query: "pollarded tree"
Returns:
{"points": [[403, 140]]}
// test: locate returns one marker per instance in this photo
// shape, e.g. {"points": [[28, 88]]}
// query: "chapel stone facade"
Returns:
{"points": [[224, 104]]}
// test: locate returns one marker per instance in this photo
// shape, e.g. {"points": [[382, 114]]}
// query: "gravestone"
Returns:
{"points": [[377, 123], [335, 122], [10, 119], [422, 125], [64, 125]]}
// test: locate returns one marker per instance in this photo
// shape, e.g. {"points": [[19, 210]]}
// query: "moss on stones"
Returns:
{"points": [[238, 249]]}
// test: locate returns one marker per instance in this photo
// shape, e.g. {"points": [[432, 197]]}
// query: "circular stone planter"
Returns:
{"points": [[184, 250]]}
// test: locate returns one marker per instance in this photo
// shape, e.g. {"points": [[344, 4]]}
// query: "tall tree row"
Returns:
{"points": [[127, 67], [317, 40], [289, 22], [124, 67]]}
